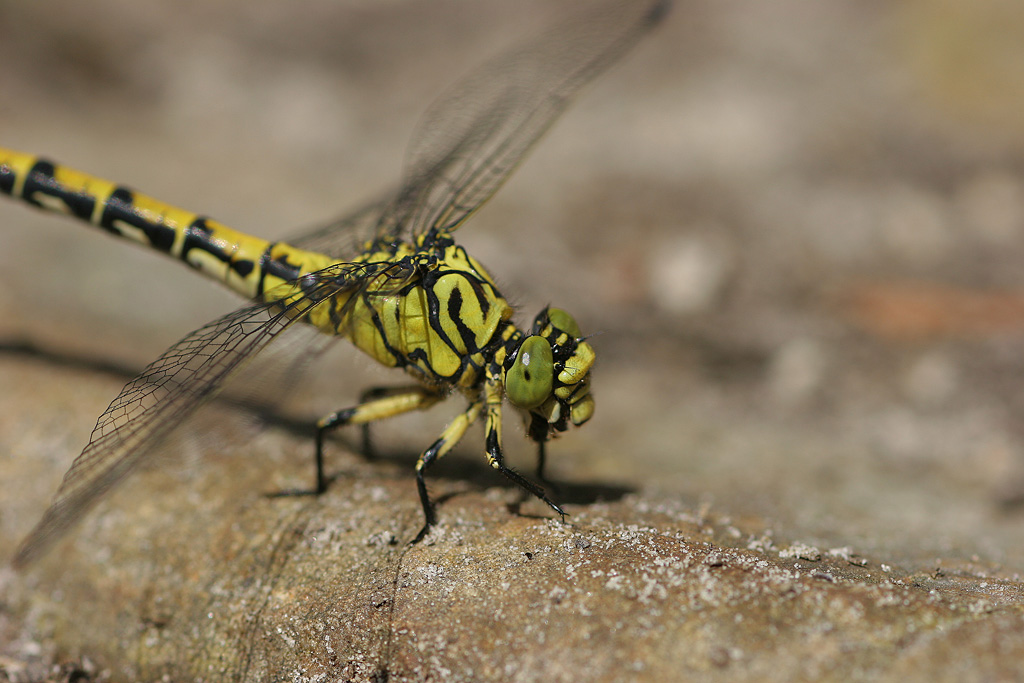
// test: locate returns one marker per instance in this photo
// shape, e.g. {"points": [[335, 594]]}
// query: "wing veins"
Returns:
{"points": [[170, 389]]}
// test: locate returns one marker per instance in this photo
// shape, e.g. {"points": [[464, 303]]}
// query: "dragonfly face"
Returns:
{"points": [[549, 374]]}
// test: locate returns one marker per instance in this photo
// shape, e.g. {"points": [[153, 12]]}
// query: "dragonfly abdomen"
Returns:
{"points": [[248, 265]]}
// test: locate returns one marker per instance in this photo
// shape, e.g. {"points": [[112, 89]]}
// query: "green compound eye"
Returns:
{"points": [[564, 322], [528, 382]]}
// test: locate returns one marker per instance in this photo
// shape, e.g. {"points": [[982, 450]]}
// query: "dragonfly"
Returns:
{"points": [[390, 278]]}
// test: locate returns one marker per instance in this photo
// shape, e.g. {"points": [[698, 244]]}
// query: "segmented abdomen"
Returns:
{"points": [[248, 265]]}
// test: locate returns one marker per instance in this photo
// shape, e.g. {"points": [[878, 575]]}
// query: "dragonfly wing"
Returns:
{"points": [[473, 137], [344, 238], [167, 392]]}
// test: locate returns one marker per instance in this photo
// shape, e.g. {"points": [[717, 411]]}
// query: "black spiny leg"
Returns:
{"points": [[538, 432], [542, 453], [497, 460], [429, 514], [449, 437], [381, 404], [369, 452], [541, 460], [542, 457]]}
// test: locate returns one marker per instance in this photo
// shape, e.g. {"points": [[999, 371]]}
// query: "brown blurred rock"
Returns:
{"points": [[241, 587], [195, 574]]}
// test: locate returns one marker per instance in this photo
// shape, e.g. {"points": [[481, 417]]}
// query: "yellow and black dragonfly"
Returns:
{"points": [[389, 278]]}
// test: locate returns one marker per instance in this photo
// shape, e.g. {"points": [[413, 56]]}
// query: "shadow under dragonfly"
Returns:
{"points": [[456, 467]]}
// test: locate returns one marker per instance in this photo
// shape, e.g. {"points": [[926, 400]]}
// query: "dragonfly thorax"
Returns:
{"points": [[433, 311]]}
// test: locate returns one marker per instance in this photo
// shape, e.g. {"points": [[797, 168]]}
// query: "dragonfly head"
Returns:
{"points": [[549, 374]]}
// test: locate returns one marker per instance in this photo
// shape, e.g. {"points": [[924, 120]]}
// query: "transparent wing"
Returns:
{"points": [[344, 238], [473, 137], [168, 391]]}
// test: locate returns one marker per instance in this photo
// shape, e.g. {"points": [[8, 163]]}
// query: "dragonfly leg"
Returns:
{"points": [[542, 457], [373, 394], [449, 437], [541, 461], [538, 431], [377, 404], [492, 439]]}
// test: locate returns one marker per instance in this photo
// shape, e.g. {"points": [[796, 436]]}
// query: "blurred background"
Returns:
{"points": [[796, 230]]}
